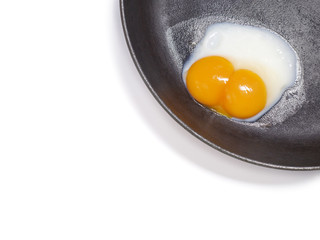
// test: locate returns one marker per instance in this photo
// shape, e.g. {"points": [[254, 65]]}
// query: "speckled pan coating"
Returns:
{"points": [[162, 33]]}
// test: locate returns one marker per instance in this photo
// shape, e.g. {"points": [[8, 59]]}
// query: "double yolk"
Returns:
{"points": [[213, 82]]}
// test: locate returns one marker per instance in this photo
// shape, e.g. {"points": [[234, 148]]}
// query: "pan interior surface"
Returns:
{"points": [[161, 36]]}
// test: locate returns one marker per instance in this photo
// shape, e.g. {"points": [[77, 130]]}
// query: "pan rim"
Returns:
{"points": [[180, 122]]}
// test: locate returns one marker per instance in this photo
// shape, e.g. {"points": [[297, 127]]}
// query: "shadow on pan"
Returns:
{"points": [[162, 34]]}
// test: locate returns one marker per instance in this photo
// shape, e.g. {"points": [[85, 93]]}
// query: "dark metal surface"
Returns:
{"points": [[291, 144]]}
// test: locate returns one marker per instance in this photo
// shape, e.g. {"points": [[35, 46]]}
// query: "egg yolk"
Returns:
{"points": [[213, 82], [245, 94], [207, 79]]}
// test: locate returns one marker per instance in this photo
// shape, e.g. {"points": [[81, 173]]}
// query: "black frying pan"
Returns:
{"points": [[161, 35]]}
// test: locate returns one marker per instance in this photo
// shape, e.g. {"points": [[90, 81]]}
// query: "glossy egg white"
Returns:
{"points": [[257, 49]]}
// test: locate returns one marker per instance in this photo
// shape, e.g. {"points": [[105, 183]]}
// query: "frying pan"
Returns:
{"points": [[161, 34]]}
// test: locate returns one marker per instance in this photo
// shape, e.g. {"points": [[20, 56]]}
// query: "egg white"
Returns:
{"points": [[257, 49]]}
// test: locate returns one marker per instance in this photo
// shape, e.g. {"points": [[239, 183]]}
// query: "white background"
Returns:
{"points": [[86, 152]]}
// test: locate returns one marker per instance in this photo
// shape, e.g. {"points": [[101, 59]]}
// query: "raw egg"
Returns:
{"points": [[240, 71]]}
